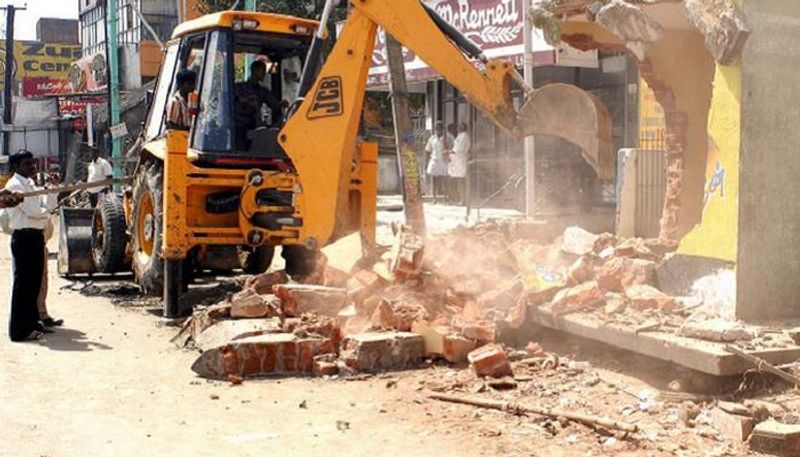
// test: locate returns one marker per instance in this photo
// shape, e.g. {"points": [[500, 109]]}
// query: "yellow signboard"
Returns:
{"points": [[37, 61]]}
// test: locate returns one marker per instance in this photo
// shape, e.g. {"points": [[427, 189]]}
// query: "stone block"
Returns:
{"points": [[298, 299], [274, 353], [734, 426], [490, 360], [374, 351], [771, 437]]}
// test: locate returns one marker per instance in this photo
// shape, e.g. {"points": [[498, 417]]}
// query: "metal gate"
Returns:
{"points": [[651, 188]]}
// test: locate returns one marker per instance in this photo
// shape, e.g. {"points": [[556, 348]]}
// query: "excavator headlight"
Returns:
{"points": [[245, 24]]}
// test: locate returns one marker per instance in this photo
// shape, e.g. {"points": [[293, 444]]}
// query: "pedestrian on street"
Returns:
{"points": [[27, 222], [99, 169], [41, 303], [457, 166], [438, 143]]}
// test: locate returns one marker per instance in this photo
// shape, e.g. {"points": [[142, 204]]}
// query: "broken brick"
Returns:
{"points": [[735, 426], [256, 306], [274, 353], [642, 296], [481, 331], [771, 437], [314, 325], [300, 298], [516, 316], [440, 341], [603, 242], [620, 273], [501, 298], [537, 297], [578, 241], [407, 253], [490, 360], [374, 351], [634, 247], [615, 303], [263, 283], [341, 258], [576, 298], [325, 365]]}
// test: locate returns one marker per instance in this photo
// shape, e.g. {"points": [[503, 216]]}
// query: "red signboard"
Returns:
{"points": [[496, 26]]}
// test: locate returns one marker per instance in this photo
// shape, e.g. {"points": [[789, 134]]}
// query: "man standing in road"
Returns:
{"points": [[27, 222], [99, 169], [438, 143], [457, 167]]}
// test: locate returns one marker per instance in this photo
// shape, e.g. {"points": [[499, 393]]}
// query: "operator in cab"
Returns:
{"points": [[178, 117], [251, 95]]}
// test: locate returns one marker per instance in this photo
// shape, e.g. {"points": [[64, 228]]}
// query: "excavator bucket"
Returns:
{"points": [[575, 115]]}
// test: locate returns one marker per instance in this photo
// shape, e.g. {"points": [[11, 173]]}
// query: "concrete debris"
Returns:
{"points": [[230, 330], [580, 271], [772, 437], [577, 298], [620, 273], [490, 360], [578, 241], [642, 297], [722, 25], [630, 24], [302, 298], [249, 305], [382, 351], [263, 283], [716, 330]]}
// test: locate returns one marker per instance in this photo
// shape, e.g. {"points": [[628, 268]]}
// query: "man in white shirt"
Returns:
{"points": [[438, 143], [99, 169], [27, 222], [457, 167]]}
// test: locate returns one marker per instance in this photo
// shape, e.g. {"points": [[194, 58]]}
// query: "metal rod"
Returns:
{"points": [[763, 365], [461, 40], [530, 141], [76, 186], [147, 25], [313, 59]]}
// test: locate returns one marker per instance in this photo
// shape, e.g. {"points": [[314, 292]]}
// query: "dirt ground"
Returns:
{"points": [[110, 383]]}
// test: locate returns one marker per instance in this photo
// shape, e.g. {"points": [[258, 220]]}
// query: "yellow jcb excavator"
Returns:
{"points": [[228, 190]]}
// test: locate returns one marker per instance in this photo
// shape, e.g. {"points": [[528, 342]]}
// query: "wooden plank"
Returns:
{"points": [[705, 356]]}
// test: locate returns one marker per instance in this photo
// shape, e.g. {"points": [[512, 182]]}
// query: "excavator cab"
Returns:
{"points": [[247, 74]]}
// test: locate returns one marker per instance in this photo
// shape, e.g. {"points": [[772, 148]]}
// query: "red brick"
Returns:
{"points": [[490, 360], [407, 254], [229, 330], [368, 352], [256, 306], [620, 273], [643, 297], [457, 348], [263, 283], [298, 299], [577, 298], [325, 368], [441, 341], [277, 353]]}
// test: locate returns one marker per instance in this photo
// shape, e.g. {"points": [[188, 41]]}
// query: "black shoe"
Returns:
{"points": [[42, 329], [50, 322]]}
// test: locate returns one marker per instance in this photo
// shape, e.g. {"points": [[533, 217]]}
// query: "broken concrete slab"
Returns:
{"points": [[263, 283], [734, 426], [716, 330], [298, 299], [368, 352], [772, 437], [255, 306], [275, 353], [490, 360], [630, 24], [226, 331], [341, 258], [722, 25]]}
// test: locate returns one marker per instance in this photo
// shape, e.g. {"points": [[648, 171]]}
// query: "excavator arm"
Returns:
{"points": [[321, 135]]}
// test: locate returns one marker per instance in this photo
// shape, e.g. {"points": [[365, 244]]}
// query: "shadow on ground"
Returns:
{"points": [[67, 339]]}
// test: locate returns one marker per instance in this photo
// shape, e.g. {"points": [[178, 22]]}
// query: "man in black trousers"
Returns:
{"points": [[27, 221]]}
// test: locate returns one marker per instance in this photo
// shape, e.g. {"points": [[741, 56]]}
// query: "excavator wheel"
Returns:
{"points": [[256, 260], [299, 260], [146, 225], [109, 237]]}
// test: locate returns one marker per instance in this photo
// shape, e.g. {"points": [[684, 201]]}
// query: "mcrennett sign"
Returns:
{"points": [[496, 26]]}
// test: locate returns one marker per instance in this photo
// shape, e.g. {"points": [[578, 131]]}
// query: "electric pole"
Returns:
{"points": [[112, 57], [8, 78], [404, 137], [530, 141]]}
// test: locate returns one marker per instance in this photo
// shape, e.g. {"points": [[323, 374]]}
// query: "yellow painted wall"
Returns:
{"points": [[716, 235], [652, 123]]}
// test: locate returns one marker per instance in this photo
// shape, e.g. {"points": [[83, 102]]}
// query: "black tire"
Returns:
{"points": [[299, 260], [256, 260], [146, 226], [109, 237]]}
